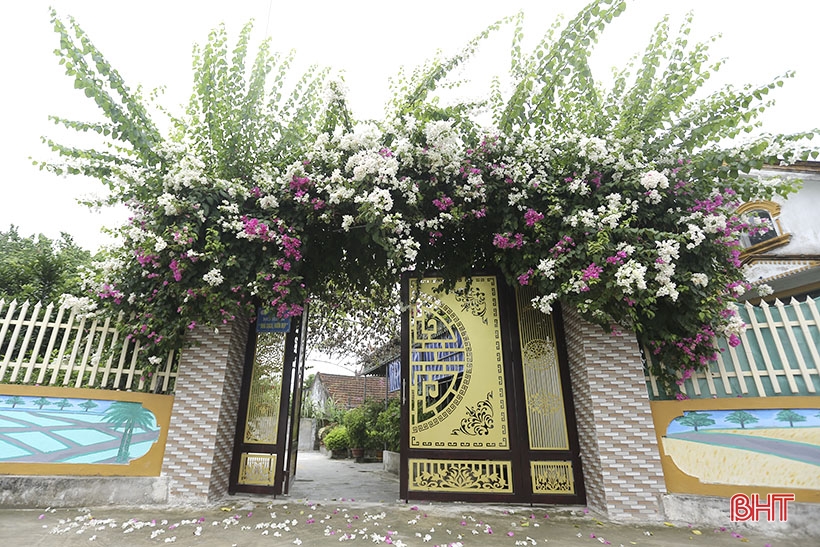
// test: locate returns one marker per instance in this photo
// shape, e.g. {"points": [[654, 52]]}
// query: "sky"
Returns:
{"points": [[150, 43]]}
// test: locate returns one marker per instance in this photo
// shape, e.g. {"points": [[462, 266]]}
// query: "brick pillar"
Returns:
{"points": [[619, 451], [203, 422]]}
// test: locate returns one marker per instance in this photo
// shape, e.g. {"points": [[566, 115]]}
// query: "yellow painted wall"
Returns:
{"points": [[696, 468], [148, 465]]}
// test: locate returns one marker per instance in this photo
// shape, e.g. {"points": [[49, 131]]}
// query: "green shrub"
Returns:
{"points": [[356, 427], [388, 424], [337, 439]]}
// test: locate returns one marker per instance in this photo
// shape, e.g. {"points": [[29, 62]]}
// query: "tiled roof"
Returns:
{"points": [[351, 391]]}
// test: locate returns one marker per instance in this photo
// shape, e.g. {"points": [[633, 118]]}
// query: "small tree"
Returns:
{"points": [[41, 402], [790, 416], [695, 420], [742, 418], [63, 404], [38, 268]]}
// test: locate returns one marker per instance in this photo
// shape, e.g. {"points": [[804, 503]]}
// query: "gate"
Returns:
{"points": [[267, 432], [486, 407]]}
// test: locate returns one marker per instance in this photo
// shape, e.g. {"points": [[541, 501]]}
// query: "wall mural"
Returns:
{"points": [[65, 430], [753, 447]]}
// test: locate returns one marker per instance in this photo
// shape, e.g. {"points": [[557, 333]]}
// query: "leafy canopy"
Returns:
{"points": [[38, 268]]}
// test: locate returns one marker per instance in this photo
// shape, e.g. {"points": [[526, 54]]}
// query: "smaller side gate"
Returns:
{"points": [[267, 431]]}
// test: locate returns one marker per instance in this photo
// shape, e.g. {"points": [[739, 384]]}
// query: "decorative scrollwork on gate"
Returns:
{"points": [[479, 419], [461, 475], [539, 354], [474, 301], [552, 478]]}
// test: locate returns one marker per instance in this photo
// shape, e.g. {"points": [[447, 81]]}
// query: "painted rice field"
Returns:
{"points": [[62, 430]]}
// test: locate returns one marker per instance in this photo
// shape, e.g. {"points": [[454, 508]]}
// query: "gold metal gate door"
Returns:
{"points": [[477, 425], [264, 458]]}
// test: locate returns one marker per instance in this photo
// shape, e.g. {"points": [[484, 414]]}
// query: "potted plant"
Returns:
{"points": [[356, 430], [337, 441]]}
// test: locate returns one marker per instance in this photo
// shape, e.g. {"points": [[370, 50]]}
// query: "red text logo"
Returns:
{"points": [[743, 507]]}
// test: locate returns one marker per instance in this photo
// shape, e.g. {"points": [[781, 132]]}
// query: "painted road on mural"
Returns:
{"points": [[803, 452]]}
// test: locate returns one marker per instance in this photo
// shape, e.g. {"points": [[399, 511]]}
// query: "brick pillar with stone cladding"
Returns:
{"points": [[200, 443], [619, 450]]}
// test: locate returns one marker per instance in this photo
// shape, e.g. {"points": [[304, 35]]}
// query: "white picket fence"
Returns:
{"points": [[778, 355], [66, 348]]}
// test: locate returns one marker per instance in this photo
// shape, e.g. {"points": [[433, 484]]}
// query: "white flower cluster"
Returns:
{"points": [[168, 203], [213, 277], [695, 234], [186, 172], [379, 198], [370, 162], [82, 306], [668, 252], [713, 224], [445, 147], [700, 279], [734, 325], [547, 268], [630, 276], [160, 244], [764, 290], [544, 303], [653, 181], [594, 149], [612, 213]]}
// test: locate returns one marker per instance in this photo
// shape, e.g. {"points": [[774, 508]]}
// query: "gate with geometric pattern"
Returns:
{"points": [[486, 406]]}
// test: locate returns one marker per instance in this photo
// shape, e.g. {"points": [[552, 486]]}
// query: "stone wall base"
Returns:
{"points": [[53, 491], [711, 511]]}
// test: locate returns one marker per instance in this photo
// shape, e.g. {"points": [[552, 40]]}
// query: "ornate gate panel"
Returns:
{"points": [[484, 397], [459, 440], [551, 454]]}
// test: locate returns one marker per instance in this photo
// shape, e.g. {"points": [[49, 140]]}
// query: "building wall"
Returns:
{"points": [[203, 423], [798, 214], [621, 462]]}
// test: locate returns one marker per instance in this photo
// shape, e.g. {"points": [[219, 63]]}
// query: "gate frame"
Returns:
{"points": [[287, 440], [519, 452]]}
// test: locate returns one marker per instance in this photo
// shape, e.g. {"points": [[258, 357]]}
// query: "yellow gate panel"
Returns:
{"points": [[257, 469], [552, 477], [461, 476], [544, 399], [457, 395]]}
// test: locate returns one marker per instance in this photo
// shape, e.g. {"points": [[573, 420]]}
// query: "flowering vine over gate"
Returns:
{"points": [[617, 202]]}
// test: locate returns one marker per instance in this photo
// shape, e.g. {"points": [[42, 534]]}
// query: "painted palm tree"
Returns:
{"points": [[128, 416], [63, 404], [41, 402], [14, 401], [88, 405]]}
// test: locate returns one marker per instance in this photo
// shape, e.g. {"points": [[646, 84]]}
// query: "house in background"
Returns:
{"points": [[346, 391], [787, 256]]}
